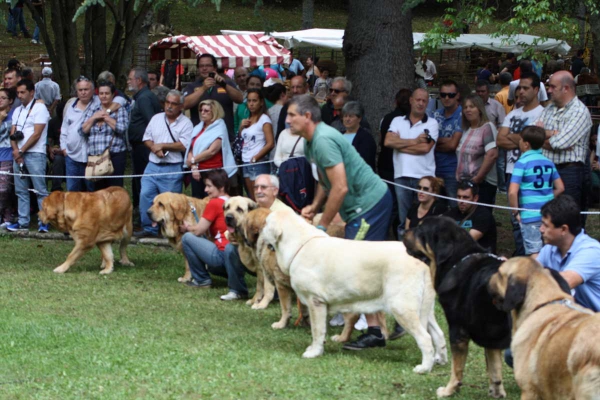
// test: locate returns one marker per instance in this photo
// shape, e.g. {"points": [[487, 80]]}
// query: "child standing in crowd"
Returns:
{"points": [[534, 182]]}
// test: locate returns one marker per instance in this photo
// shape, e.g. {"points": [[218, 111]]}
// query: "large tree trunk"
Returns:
{"points": [[308, 11], [64, 53], [378, 47], [595, 28]]}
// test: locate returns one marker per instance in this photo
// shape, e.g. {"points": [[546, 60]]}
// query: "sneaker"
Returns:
{"points": [[361, 324], [144, 234], [17, 228], [365, 341], [337, 320], [33, 41], [398, 332], [43, 228], [4, 225], [194, 283], [233, 296]]}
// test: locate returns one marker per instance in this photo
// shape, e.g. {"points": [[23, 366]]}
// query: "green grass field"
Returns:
{"points": [[138, 334]]}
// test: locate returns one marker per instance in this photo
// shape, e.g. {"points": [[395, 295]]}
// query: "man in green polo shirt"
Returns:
{"points": [[346, 185]]}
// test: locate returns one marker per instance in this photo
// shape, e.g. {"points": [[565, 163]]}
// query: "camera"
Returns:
{"points": [[17, 136], [429, 138], [211, 75], [23, 170]]}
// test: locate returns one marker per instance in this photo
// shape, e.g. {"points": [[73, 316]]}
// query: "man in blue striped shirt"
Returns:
{"points": [[534, 182]]}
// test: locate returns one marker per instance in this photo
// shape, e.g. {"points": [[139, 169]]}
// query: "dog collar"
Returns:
{"points": [[300, 248], [194, 211], [477, 254], [565, 302]]}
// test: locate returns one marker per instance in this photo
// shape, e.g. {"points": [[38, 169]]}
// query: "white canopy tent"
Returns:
{"points": [[333, 38]]}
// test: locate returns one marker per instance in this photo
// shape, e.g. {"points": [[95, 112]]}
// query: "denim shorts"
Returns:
{"points": [[252, 171], [532, 237]]}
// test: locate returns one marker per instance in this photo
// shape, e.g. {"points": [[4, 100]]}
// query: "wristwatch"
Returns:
{"points": [[108, 110], [253, 160]]}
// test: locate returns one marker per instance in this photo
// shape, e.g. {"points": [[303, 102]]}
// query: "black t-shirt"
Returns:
{"points": [[482, 220], [217, 93], [437, 208]]}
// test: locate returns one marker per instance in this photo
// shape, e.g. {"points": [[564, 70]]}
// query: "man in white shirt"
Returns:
{"points": [[48, 90], [28, 141], [413, 139], [167, 136], [526, 68]]}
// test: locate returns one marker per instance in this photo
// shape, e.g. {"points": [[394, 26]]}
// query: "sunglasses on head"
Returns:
{"points": [[451, 95], [83, 78]]}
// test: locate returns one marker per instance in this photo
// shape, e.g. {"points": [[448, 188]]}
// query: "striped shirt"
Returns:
{"points": [[572, 123], [535, 175], [101, 134]]}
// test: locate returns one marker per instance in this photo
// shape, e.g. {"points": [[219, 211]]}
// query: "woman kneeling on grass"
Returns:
{"points": [[217, 257]]}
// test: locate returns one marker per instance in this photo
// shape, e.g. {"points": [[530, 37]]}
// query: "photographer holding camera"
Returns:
{"points": [[28, 141], [413, 138]]}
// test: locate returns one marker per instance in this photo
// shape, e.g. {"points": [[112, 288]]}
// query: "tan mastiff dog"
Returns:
{"points": [[555, 347]]}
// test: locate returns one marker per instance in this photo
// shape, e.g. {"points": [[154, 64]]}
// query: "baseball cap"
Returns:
{"points": [[47, 71]]}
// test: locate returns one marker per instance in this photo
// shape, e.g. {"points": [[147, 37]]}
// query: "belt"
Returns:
{"points": [[165, 164], [569, 164]]}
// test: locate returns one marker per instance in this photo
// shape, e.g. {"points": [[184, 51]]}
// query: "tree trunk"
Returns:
{"points": [[64, 52], [98, 39], [164, 16], [595, 29], [308, 11], [378, 48]]}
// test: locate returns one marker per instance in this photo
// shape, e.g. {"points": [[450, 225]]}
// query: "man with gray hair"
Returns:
{"points": [[346, 185], [167, 136], [48, 90], [331, 112], [145, 107], [266, 189]]}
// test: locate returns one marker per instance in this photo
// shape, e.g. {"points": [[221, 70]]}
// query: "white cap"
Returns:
{"points": [[47, 71]]}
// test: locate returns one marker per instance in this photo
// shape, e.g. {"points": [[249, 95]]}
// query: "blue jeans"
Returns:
{"points": [[501, 169], [378, 219], [18, 19], [155, 185], [572, 177], [405, 197], [36, 165], [451, 185], [516, 229], [532, 237], [252, 171], [36, 33], [76, 168], [9, 20], [204, 257]]}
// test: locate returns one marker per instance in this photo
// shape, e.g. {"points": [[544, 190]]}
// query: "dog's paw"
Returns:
{"points": [[421, 369], [338, 339], [279, 325], [106, 271], [313, 352], [60, 269], [250, 302], [260, 306], [497, 391], [127, 263], [441, 359], [444, 392]]}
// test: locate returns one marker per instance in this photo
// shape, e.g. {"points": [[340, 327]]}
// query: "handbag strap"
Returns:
{"points": [[294, 148]]}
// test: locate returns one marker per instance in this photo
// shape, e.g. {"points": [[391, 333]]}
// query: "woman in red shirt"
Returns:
{"points": [[216, 256], [209, 148]]}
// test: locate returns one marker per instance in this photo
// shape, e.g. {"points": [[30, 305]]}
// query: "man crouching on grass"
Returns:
{"points": [[346, 185]]}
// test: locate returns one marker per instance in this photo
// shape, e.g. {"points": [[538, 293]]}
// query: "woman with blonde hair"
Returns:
{"points": [[477, 151], [209, 148]]}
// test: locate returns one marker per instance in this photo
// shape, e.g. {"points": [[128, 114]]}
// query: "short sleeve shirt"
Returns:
{"points": [[445, 162], [542, 94], [471, 150], [327, 149], [254, 138], [515, 121], [481, 220], [410, 165], [158, 132], [25, 121], [214, 213], [581, 258]]}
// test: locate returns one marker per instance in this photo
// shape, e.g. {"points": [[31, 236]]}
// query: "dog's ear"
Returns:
{"points": [[515, 294], [179, 208], [564, 286], [252, 205]]}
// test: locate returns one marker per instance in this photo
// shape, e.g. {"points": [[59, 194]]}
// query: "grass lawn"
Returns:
{"points": [[137, 333]]}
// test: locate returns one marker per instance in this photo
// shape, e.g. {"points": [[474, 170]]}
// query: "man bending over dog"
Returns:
{"points": [[346, 185]]}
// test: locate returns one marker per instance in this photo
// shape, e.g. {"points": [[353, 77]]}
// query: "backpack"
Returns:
{"points": [[296, 183]]}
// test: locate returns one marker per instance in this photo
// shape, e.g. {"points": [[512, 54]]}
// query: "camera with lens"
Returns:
{"points": [[17, 136]]}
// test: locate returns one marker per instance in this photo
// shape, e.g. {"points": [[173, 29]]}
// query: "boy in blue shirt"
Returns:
{"points": [[534, 182]]}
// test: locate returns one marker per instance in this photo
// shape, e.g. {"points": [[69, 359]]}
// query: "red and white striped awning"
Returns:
{"points": [[231, 51]]}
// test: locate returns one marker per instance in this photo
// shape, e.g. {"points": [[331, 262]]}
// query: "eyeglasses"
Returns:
{"points": [[336, 91], [172, 103], [424, 188], [262, 187], [83, 78], [450, 95], [205, 110]]}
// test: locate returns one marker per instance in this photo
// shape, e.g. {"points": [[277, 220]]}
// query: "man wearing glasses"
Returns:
{"points": [[449, 118], [212, 86], [331, 112]]}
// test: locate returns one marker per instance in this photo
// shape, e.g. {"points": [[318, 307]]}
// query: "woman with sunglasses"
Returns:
{"points": [[257, 132], [428, 205], [477, 151], [7, 206], [210, 146], [104, 127]]}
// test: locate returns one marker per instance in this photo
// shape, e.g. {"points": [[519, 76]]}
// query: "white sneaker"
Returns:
{"points": [[34, 41], [361, 324], [337, 320], [4, 225], [232, 296]]}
